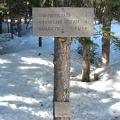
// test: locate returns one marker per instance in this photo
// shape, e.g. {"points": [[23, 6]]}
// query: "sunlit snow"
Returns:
{"points": [[27, 78]]}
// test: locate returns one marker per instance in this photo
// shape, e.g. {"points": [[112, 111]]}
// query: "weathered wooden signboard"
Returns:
{"points": [[63, 22]]}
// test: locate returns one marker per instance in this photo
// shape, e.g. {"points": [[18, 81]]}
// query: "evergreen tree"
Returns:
{"points": [[106, 21], [86, 47], [106, 11], [85, 41]]}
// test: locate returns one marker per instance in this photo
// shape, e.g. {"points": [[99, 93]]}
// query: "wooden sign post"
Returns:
{"points": [[62, 23]]}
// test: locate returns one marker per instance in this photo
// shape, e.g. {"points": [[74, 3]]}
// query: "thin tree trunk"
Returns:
{"points": [[62, 72], [0, 23], [40, 38], [8, 25], [19, 26], [86, 64], [11, 26], [7, 16], [26, 15], [106, 36]]}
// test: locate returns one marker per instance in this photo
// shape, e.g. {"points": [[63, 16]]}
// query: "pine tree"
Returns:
{"points": [[105, 11], [106, 20], [85, 41]]}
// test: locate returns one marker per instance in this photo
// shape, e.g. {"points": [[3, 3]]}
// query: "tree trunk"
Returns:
{"points": [[0, 23], [19, 26], [40, 41], [62, 72], [61, 68], [11, 26], [40, 38], [86, 63], [106, 35], [8, 25]]}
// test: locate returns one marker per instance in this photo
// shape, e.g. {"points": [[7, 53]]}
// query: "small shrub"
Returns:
{"points": [[94, 59], [96, 77]]}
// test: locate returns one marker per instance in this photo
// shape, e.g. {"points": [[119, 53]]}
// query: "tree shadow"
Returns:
{"points": [[88, 103], [26, 85]]}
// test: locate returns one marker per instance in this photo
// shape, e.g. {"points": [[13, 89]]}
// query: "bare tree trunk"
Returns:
{"points": [[62, 71], [26, 15], [8, 24], [19, 26], [0, 23], [86, 63], [106, 36], [11, 25]]}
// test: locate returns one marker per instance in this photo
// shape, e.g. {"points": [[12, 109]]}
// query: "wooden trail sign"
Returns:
{"points": [[63, 22]]}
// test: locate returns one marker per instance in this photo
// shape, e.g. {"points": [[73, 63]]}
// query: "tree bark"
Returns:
{"points": [[86, 63], [61, 67], [11, 26], [19, 26], [0, 23], [61, 72], [106, 36]]}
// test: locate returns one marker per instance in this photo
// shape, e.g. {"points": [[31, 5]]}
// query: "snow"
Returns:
{"points": [[27, 77]]}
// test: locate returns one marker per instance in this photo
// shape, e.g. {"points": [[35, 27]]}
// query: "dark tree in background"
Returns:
{"points": [[0, 23]]}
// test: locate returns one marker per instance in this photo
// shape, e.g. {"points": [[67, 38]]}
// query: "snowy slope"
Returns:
{"points": [[26, 83]]}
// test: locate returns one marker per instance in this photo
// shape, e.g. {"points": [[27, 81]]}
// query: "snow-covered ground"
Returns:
{"points": [[26, 81]]}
